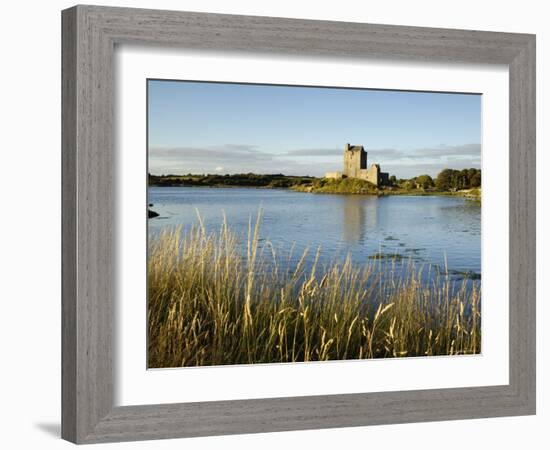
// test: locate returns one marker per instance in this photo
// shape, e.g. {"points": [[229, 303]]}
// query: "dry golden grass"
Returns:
{"points": [[209, 305]]}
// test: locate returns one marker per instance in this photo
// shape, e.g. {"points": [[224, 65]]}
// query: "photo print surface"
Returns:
{"points": [[291, 224]]}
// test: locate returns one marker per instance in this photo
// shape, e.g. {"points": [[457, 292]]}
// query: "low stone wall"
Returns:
{"points": [[333, 175]]}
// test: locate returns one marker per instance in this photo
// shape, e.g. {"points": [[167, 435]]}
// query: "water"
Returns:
{"points": [[436, 231]]}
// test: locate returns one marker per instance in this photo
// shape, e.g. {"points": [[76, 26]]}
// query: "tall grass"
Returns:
{"points": [[210, 305]]}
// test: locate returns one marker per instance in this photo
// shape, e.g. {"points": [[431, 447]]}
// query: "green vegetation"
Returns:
{"points": [[341, 186], [461, 183], [464, 183], [424, 182], [208, 305], [449, 179], [241, 180], [356, 186], [391, 256]]}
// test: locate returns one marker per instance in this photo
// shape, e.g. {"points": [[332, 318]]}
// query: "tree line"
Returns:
{"points": [[446, 180], [277, 180]]}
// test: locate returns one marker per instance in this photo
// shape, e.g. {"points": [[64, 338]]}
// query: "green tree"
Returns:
{"points": [[461, 179], [424, 181], [445, 180], [410, 184], [475, 180], [471, 173]]}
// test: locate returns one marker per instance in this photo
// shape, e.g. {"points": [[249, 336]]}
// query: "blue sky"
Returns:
{"points": [[234, 128]]}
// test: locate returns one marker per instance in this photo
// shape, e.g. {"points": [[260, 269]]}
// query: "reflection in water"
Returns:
{"points": [[360, 215], [441, 231]]}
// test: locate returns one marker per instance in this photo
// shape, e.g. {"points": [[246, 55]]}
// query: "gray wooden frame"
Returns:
{"points": [[89, 36]]}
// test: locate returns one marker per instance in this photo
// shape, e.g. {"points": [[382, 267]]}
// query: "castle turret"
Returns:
{"points": [[355, 166], [355, 159]]}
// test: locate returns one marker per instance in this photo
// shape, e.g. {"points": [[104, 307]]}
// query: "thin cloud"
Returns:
{"points": [[230, 158], [227, 152], [314, 152], [239, 158], [467, 150], [433, 153]]}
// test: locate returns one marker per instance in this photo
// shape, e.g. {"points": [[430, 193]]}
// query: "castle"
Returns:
{"points": [[355, 166]]}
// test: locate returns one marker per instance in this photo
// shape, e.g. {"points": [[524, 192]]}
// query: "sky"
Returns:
{"points": [[224, 128]]}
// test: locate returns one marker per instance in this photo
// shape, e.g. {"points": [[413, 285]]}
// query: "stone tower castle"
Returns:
{"points": [[355, 160], [355, 166]]}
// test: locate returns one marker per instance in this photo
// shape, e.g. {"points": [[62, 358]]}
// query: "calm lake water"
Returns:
{"points": [[426, 229]]}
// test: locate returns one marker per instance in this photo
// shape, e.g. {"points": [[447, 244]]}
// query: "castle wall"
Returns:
{"points": [[351, 164], [354, 162], [370, 175], [333, 175], [374, 175], [355, 166]]}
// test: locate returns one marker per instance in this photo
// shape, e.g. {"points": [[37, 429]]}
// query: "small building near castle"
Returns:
{"points": [[355, 166]]}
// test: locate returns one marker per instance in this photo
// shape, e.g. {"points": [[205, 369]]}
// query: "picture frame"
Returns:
{"points": [[89, 37]]}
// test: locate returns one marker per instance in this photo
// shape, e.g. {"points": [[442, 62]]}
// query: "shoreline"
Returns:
{"points": [[466, 194]]}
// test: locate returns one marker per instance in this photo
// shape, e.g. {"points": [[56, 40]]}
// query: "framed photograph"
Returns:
{"points": [[278, 224]]}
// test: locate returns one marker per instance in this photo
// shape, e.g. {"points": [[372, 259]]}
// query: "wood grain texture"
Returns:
{"points": [[68, 225], [89, 36], [523, 224]]}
